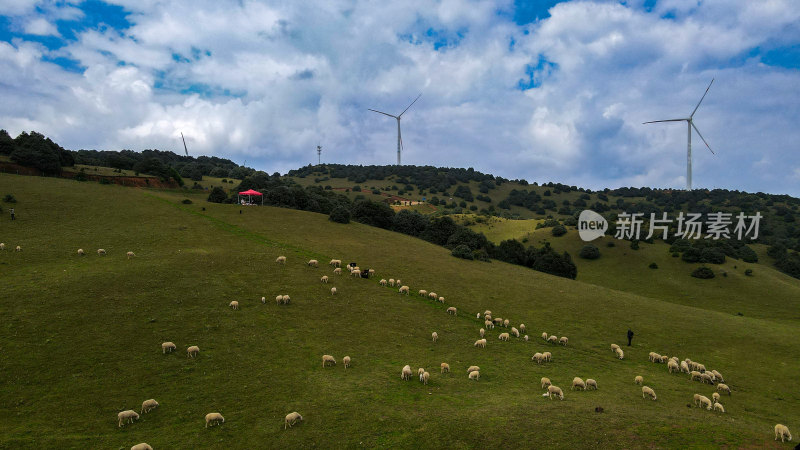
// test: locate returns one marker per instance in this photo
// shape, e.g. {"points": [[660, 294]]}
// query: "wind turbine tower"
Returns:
{"points": [[319, 155], [184, 144], [399, 137], [689, 125]]}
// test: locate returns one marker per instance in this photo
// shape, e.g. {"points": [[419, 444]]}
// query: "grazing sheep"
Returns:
{"points": [[555, 391], [168, 347], [452, 310], [403, 290], [264, 300], [480, 343], [324, 279], [346, 361], [638, 380], [563, 341], [504, 336], [515, 332], [19, 249], [701, 368], [234, 305], [715, 397], [696, 399], [313, 263], [445, 368], [328, 359], [695, 375], [397, 282], [192, 351], [335, 262], [719, 407], [489, 324], [476, 375], [338, 271], [482, 332], [100, 251], [498, 321], [473, 369], [684, 367], [706, 377], [422, 293], [3, 247], [620, 354], [383, 282], [286, 299], [506, 322], [545, 382], [441, 299], [291, 419], [647, 391], [553, 339], [537, 357], [526, 338], [214, 418], [420, 371], [652, 356], [783, 432], [406, 373], [142, 446], [704, 402], [127, 416], [718, 376], [356, 273], [522, 328], [434, 336], [672, 366], [547, 356], [280, 260], [80, 250], [424, 377], [591, 382], [433, 296], [371, 272], [130, 255], [333, 291], [664, 359], [724, 387], [614, 348], [544, 336], [149, 405], [578, 383], [279, 299], [391, 282]]}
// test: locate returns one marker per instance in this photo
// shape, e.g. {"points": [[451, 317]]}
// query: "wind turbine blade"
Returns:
{"points": [[701, 137], [381, 112], [668, 120], [184, 144], [409, 106], [701, 99]]}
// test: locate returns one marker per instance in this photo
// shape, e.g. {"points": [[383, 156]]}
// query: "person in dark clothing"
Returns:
{"points": [[12, 213], [630, 336]]}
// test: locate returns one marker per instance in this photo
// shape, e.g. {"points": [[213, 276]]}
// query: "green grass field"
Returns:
{"points": [[81, 336]]}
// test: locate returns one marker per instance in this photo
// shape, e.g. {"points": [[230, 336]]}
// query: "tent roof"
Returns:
{"points": [[250, 192]]}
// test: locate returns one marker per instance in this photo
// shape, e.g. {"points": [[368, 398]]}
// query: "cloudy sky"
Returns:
{"points": [[541, 90]]}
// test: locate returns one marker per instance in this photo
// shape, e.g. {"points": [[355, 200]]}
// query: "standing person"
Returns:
{"points": [[12, 213], [630, 336]]}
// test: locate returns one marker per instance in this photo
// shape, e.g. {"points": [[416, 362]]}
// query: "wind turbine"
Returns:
{"points": [[184, 144], [319, 154], [689, 125], [399, 138]]}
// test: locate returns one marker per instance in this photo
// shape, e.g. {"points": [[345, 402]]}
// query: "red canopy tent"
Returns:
{"points": [[249, 193]]}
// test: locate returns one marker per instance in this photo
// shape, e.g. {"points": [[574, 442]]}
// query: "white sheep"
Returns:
{"points": [[434, 336], [538, 357], [578, 383], [127, 416], [482, 332], [280, 260], [504, 336], [547, 356], [130, 255], [80, 251], [313, 263], [478, 315], [476, 375], [672, 366], [506, 322], [706, 377], [522, 328], [553, 339], [487, 313], [291, 419], [614, 348], [100, 251], [498, 321], [545, 382], [590, 382], [648, 391], [279, 299], [724, 387], [489, 324], [264, 300], [422, 293], [371, 272], [473, 369], [715, 397], [142, 446], [441, 299], [420, 371], [167, 347], [695, 375], [333, 291], [425, 376], [480, 343], [3, 246], [718, 376], [433, 296], [335, 262], [555, 391], [452, 310], [286, 299], [149, 405], [684, 367], [403, 290], [234, 305], [356, 273], [192, 351], [701, 368], [337, 271], [391, 282], [638, 380], [406, 373], [563, 341], [544, 336], [398, 282], [328, 359], [346, 361], [664, 359], [783, 432], [18, 249], [526, 338], [324, 279], [620, 354], [383, 282], [719, 407], [214, 418], [515, 332], [445, 368], [705, 402]]}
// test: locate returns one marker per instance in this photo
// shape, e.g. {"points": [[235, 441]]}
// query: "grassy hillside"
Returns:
{"points": [[81, 336]]}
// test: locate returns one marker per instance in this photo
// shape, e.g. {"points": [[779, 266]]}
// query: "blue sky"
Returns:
{"points": [[543, 90]]}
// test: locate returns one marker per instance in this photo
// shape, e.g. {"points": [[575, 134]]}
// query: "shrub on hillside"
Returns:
{"points": [[373, 213], [589, 251], [340, 214], [749, 272], [217, 195], [9, 198], [186, 201], [703, 273], [559, 230], [634, 244], [462, 251], [653, 265]]}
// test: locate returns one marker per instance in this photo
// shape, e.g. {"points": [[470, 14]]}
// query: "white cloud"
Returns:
{"points": [[41, 27]]}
